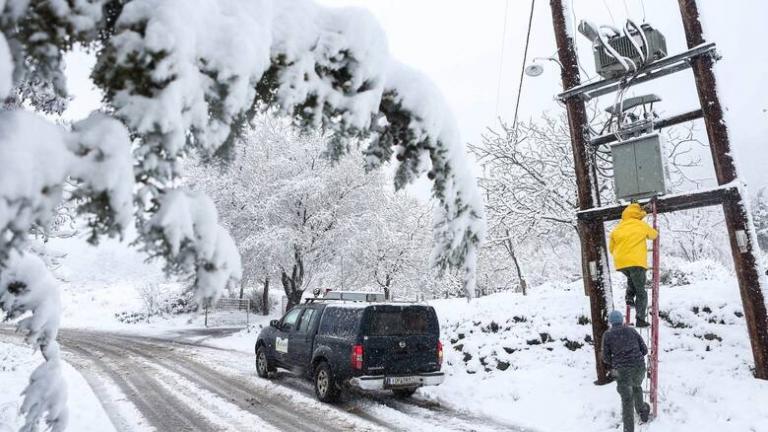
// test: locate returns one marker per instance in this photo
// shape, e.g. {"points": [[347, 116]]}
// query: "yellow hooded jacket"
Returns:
{"points": [[628, 241]]}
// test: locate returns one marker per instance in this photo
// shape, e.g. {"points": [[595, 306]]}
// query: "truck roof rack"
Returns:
{"points": [[353, 296]]}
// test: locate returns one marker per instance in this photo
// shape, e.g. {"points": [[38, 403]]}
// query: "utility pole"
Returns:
{"points": [[736, 217], [700, 57], [592, 233]]}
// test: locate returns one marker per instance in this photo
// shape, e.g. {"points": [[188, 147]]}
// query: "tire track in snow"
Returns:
{"points": [[286, 402], [161, 408], [284, 413], [380, 408]]}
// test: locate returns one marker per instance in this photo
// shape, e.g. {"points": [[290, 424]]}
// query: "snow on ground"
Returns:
{"points": [[98, 282], [529, 360], [16, 364]]}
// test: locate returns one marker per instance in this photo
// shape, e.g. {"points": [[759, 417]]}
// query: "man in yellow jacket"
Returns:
{"points": [[630, 255]]}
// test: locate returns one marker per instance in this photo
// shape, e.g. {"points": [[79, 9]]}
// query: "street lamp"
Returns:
{"points": [[535, 69]]}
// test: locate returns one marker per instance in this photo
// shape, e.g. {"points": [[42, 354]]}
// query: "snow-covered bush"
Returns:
{"points": [[676, 271], [159, 301]]}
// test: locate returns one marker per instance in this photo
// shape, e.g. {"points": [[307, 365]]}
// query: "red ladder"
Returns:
{"points": [[653, 367]]}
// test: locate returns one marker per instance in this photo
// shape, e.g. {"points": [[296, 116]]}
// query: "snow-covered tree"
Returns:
{"points": [[391, 249], [696, 234], [530, 185], [308, 221], [185, 76], [760, 217], [289, 206]]}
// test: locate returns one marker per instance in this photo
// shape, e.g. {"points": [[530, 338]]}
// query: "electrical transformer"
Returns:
{"points": [[608, 67], [639, 167]]}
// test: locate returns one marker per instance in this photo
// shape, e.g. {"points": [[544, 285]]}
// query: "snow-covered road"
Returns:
{"points": [[148, 383]]}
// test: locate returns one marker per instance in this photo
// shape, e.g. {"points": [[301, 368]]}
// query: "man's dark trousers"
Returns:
{"points": [[636, 288], [629, 385]]}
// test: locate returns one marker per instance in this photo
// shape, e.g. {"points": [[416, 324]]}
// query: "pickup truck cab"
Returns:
{"points": [[370, 346]]}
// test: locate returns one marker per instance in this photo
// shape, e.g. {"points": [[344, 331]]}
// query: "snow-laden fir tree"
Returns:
{"points": [[183, 76]]}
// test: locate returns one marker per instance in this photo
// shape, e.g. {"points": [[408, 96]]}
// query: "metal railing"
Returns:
{"points": [[231, 304]]}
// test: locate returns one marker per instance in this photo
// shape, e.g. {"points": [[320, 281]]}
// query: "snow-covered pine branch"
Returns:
{"points": [[28, 290], [36, 159]]}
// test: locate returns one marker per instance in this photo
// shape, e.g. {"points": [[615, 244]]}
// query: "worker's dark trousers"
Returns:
{"points": [[636, 288], [629, 382]]}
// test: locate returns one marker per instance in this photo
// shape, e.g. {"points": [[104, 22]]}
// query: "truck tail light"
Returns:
{"points": [[357, 357], [439, 353]]}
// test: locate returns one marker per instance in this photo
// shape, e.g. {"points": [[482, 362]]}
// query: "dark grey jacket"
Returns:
{"points": [[623, 347]]}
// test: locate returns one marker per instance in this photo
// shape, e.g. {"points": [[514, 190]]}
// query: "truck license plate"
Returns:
{"points": [[401, 381]]}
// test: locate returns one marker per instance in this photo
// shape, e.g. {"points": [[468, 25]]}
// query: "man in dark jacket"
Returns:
{"points": [[624, 353]]}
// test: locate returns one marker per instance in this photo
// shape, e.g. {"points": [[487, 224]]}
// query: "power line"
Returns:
{"points": [[501, 61], [578, 62], [525, 58], [608, 8]]}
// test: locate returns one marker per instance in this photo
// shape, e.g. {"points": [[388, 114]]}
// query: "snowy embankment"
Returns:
{"points": [[530, 360], [16, 364]]}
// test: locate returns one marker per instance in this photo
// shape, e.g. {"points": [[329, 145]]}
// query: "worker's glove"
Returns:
{"points": [[614, 373]]}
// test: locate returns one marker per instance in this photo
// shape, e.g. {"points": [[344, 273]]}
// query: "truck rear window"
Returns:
{"points": [[403, 322]]}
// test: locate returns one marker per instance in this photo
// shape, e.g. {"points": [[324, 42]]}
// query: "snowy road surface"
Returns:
{"points": [[154, 384]]}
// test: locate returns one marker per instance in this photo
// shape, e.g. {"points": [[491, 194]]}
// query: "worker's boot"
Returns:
{"points": [[645, 413], [642, 323]]}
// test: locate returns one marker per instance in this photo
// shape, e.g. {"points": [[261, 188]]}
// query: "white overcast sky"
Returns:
{"points": [[458, 43]]}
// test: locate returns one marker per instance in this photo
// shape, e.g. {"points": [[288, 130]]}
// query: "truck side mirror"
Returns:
{"points": [[274, 323]]}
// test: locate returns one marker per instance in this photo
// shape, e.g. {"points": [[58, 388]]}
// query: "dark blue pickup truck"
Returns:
{"points": [[370, 346]]}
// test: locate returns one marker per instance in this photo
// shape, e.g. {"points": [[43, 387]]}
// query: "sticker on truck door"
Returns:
{"points": [[281, 345]]}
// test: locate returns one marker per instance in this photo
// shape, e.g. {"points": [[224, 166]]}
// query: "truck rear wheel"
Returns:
{"points": [[404, 393], [326, 389]]}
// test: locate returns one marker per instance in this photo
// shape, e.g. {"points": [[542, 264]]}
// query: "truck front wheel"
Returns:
{"points": [[326, 389]]}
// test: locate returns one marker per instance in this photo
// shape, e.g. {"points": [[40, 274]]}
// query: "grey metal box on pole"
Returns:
{"points": [[639, 168]]}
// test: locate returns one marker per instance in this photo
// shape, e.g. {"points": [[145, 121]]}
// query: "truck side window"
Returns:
{"points": [[289, 320], [306, 320]]}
